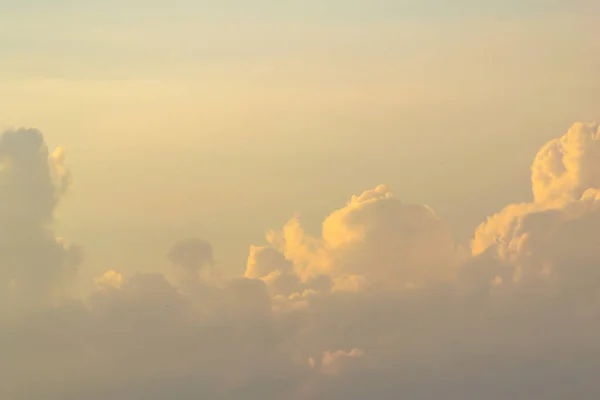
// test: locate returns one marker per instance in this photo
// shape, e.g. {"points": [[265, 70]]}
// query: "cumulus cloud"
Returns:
{"points": [[36, 265], [555, 236], [382, 304], [375, 240], [568, 166], [270, 266], [264, 261]]}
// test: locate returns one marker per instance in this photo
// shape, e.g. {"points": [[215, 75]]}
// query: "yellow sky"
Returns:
{"points": [[214, 124], [299, 200]]}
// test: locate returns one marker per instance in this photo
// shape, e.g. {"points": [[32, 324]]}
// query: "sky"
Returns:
{"points": [[300, 200]]}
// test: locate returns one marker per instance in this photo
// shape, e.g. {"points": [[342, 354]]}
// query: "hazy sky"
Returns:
{"points": [[222, 120], [206, 114]]}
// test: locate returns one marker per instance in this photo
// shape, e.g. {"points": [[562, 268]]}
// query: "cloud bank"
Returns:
{"points": [[383, 304]]}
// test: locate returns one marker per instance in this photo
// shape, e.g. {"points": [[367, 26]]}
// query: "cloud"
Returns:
{"points": [[382, 304], [385, 240], [333, 362], [263, 261], [555, 236], [375, 240], [194, 262], [269, 265], [566, 167], [192, 254], [109, 280], [36, 265]]}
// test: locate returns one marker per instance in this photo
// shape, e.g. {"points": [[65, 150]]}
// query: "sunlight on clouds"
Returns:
{"points": [[109, 280], [372, 226], [32, 256], [193, 128], [561, 218], [382, 303], [333, 362], [565, 167], [59, 170]]}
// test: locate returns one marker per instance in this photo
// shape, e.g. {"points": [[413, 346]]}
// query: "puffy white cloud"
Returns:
{"points": [[375, 240], [379, 237], [555, 236], [566, 167], [383, 304]]}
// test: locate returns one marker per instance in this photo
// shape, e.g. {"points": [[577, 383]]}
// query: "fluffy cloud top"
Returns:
{"points": [[555, 236], [383, 304], [568, 166], [374, 241]]}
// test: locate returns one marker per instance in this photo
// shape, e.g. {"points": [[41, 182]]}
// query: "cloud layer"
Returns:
{"points": [[35, 263], [383, 304]]}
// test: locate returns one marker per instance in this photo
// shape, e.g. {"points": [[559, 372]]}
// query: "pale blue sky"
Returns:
{"points": [[222, 119]]}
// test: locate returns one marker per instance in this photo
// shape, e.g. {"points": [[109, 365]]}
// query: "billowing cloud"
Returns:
{"points": [[379, 237], [568, 166], [375, 240], [36, 264], [271, 266], [382, 304], [264, 261], [555, 236]]}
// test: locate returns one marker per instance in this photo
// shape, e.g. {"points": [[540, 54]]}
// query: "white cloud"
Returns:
{"points": [[554, 236], [566, 167], [375, 240]]}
